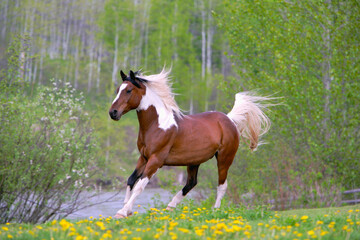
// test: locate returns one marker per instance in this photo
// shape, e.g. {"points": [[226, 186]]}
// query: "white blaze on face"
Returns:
{"points": [[122, 87]]}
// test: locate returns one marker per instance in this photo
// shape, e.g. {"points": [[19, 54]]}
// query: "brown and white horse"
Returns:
{"points": [[167, 137]]}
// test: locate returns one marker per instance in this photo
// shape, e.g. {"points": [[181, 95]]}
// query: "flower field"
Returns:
{"points": [[188, 222]]}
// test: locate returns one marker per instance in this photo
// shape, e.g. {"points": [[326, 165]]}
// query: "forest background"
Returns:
{"points": [[306, 52]]}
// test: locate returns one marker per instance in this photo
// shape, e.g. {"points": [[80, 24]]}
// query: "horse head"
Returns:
{"points": [[129, 95]]}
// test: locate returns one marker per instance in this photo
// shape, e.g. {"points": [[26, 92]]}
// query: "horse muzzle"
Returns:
{"points": [[115, 114]]}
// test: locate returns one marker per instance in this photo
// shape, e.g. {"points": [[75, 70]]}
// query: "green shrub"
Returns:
{"points": [[47, 153]]}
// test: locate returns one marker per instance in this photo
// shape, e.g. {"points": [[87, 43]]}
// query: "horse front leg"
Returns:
{"points": [[139, 169], [149, 169]]}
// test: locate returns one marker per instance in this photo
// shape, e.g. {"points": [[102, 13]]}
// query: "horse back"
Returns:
{"points": [[200, 136]]}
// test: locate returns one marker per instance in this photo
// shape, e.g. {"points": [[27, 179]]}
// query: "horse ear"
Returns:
{"points": [[123, 75], [133, 79], [132, 75]]}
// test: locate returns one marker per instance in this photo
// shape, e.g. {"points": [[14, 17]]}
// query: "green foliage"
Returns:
{"points": [[47, 153], [306, 52]]}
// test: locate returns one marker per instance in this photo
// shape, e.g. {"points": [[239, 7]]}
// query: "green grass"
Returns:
{"points": [[192, 222]]}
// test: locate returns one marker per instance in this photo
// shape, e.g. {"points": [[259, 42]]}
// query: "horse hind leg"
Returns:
{"points": [[224, 161], [190, 184]]}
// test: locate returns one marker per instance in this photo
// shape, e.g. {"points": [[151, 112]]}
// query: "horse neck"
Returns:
{"points": [[153, 113], [147, 118]]}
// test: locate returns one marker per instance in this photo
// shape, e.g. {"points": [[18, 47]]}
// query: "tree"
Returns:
{"points": [[307, 52]]}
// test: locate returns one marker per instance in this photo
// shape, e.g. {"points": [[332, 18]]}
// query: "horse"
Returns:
{"points": [[169, 137]]}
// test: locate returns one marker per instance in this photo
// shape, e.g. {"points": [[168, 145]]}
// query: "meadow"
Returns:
{"points": [[199, 222]]}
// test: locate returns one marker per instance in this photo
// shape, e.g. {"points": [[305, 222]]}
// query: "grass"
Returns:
{"points": [[193, 222]]}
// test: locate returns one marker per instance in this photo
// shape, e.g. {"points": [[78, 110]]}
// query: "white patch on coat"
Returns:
{"points": [[122, 87], [221, 189], [166, 118], [139, 187], [176, 199]]}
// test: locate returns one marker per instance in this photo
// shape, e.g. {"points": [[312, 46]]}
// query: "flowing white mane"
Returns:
{"points": [[161, 85]]}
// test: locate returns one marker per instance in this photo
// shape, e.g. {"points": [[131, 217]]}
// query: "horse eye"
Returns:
{"points": [[129, 91]]}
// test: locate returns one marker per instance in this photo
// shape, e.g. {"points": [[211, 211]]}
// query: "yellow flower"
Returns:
{"points": [[248, 227], [350, 211], [218, 232], [101, 225], [184, 230], [304, 217], [156, 236], [64, 224], [237, 228], [260, 224], [9, 236], [323, 233], [107, 234], [79, 237], [5, 229], [311, 232], [247, 233], [319, 222]]}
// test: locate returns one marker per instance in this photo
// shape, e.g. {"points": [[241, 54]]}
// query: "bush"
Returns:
{"points": [[47, 153]]}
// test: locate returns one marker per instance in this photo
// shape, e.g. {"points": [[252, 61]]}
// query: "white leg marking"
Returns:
{"points": [[221, 189], [127, 195], [139, 187], [123, 86], [176, 199]]}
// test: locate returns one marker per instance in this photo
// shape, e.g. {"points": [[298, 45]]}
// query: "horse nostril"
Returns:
{"points": [[114, 111]]}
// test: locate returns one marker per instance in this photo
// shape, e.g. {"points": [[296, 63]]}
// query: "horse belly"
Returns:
{"points": [[194, 148]]}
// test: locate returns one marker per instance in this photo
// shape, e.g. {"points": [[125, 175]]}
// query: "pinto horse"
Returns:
{"points": [[168, 137]]}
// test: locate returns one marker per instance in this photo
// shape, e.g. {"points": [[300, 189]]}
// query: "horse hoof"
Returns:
{"points": [[118, 215], [169, 208]]}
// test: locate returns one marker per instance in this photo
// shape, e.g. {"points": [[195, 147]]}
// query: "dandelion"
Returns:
{"points": [[319, 222], [101, 225], [5, 228], [311, 232], [324, 233], [184, 230], [9, 236], [64, 224], [304, 217]]}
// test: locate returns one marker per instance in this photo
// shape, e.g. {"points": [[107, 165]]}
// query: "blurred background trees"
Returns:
{"points": [[306, 52]]}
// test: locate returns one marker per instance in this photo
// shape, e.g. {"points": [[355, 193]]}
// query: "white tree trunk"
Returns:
{"points": [[98, 68], [115, 68], [203, 41], [4, 16]]}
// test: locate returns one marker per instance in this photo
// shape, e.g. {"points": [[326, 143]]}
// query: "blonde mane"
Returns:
{"points": [[161, 85]]}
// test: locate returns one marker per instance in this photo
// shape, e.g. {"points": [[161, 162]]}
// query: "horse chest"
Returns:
{"points": [[156, 142]]}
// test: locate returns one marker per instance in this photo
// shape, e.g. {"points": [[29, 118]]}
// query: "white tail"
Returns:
{"points": [[249, 117]]}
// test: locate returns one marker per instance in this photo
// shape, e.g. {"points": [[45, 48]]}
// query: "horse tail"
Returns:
{"points": [[249, 117]]}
